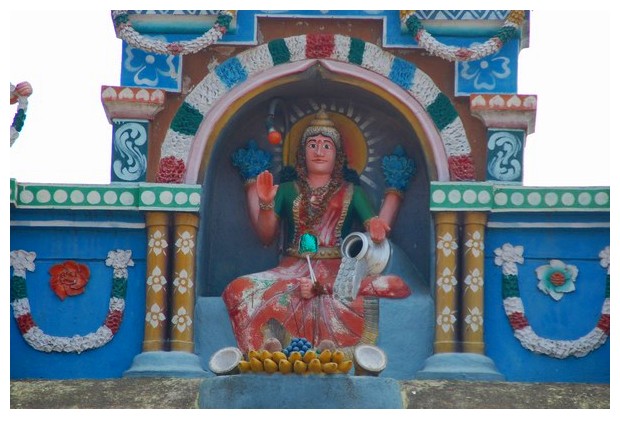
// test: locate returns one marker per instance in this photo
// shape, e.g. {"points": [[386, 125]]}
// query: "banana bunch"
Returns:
{"points": [[310, 362]]}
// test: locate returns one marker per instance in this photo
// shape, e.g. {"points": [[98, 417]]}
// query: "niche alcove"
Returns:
{"points": [[372, 128]]}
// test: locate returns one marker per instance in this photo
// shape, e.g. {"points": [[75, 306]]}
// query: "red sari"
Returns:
{"points": [[274, 295]]}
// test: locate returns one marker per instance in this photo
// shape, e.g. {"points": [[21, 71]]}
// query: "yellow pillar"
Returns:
{"points": [[446, 296], [183, 292], [156, 281], [472, 329]]}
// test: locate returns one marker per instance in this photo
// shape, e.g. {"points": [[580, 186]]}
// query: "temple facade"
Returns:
{"points": [[508, 282]]}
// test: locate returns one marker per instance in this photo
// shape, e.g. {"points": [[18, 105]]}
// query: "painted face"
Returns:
{"points": [[320, 154]]}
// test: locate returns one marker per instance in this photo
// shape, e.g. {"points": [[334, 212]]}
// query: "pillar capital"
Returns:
{"points": [[157, 219], [186, 219], [124, 102], [510, 111]]}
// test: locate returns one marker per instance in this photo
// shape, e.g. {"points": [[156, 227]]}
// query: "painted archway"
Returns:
{"points": [[442, 132]]}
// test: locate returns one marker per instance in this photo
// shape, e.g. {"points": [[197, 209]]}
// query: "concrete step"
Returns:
{"points": [[183, 393]]}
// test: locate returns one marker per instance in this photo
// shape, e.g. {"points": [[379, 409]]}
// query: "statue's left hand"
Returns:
{"points": [[378, 229], [306, 288]]}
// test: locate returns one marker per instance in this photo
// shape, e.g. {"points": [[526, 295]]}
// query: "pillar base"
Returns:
{"points": [[166, 364], [459, 366]]}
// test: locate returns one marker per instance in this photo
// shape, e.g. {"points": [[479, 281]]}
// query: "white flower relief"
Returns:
{"points": [[475, 244], [182, 282], [119, 260], [157, 243], [155, 316], [447, 281], [474, 281], [474, 319], [507, 257], [185, 243], [156, 280], [22, 261], [181, 320], [447, 244], [446, 319], [604, 255]]}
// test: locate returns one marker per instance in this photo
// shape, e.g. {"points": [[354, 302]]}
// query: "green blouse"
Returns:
{"points": [[359, 209]]}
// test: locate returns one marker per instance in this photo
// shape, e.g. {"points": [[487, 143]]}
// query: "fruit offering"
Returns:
{"points": [[299, 357]]}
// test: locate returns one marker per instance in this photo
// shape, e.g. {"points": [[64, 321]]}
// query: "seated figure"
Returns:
{"points": [[285, 301]]}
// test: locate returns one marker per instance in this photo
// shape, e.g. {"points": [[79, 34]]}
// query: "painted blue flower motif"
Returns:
{"points": [[557, 278], [398, 169], [250, 161], [150, 69], [486, 72]]}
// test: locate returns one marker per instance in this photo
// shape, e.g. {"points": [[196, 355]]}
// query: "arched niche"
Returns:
{"points": [[386, 117]]}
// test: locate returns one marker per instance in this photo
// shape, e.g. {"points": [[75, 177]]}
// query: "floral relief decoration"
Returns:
{"points": [[69, 274], [507, 258], [557, 278], [446, 319], [155, 316], [185, 243], [474, 319], [181, 320], [148, 67], [474, 281], [157, 243], [485, 73], [183, 282], [475, 244], [69, 278], [156, 281], [447, 281], [447, 244]]}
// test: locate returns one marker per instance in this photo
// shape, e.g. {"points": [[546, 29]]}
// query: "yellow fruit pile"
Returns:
{"points": [[326, 362]]}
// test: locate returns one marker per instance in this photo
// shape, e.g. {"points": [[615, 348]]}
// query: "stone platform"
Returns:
{"points": [[184, 393]]}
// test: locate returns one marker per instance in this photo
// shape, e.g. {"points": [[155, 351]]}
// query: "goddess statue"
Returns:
{"points": [[296, 298]]}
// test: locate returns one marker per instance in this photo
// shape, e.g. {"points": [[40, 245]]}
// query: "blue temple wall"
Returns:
{"points": [[575, 239], [86, 237]]}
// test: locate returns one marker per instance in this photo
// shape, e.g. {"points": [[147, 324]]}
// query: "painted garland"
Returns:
{"points": [[20, 115], [23, 261], [126, 32], [507, 257], [453, 53]]}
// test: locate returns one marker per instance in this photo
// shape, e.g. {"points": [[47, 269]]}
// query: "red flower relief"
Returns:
{"points": [[517, 321], [319, 45], [171, 170], [174, 48], [69, 278], [25, 323], [604, 323], [113, 321], [557, 278], [461, 168], [463, 54]]}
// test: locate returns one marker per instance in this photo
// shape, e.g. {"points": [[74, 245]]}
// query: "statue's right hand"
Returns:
{"points": [[265, 188]]}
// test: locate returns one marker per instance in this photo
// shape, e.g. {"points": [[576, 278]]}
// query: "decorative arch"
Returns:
{"points": [[437, 117]]}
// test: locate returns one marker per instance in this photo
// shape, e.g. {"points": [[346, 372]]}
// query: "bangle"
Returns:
{"points": [[396, 192], [265, 206]]}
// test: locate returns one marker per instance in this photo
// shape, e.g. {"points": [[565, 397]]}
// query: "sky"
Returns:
{"points": [[67, 55]]}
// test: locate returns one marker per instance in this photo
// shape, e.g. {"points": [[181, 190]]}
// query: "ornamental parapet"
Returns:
{"points": [[486, 196], [512, 111], [124, 102], [116, 196]]}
